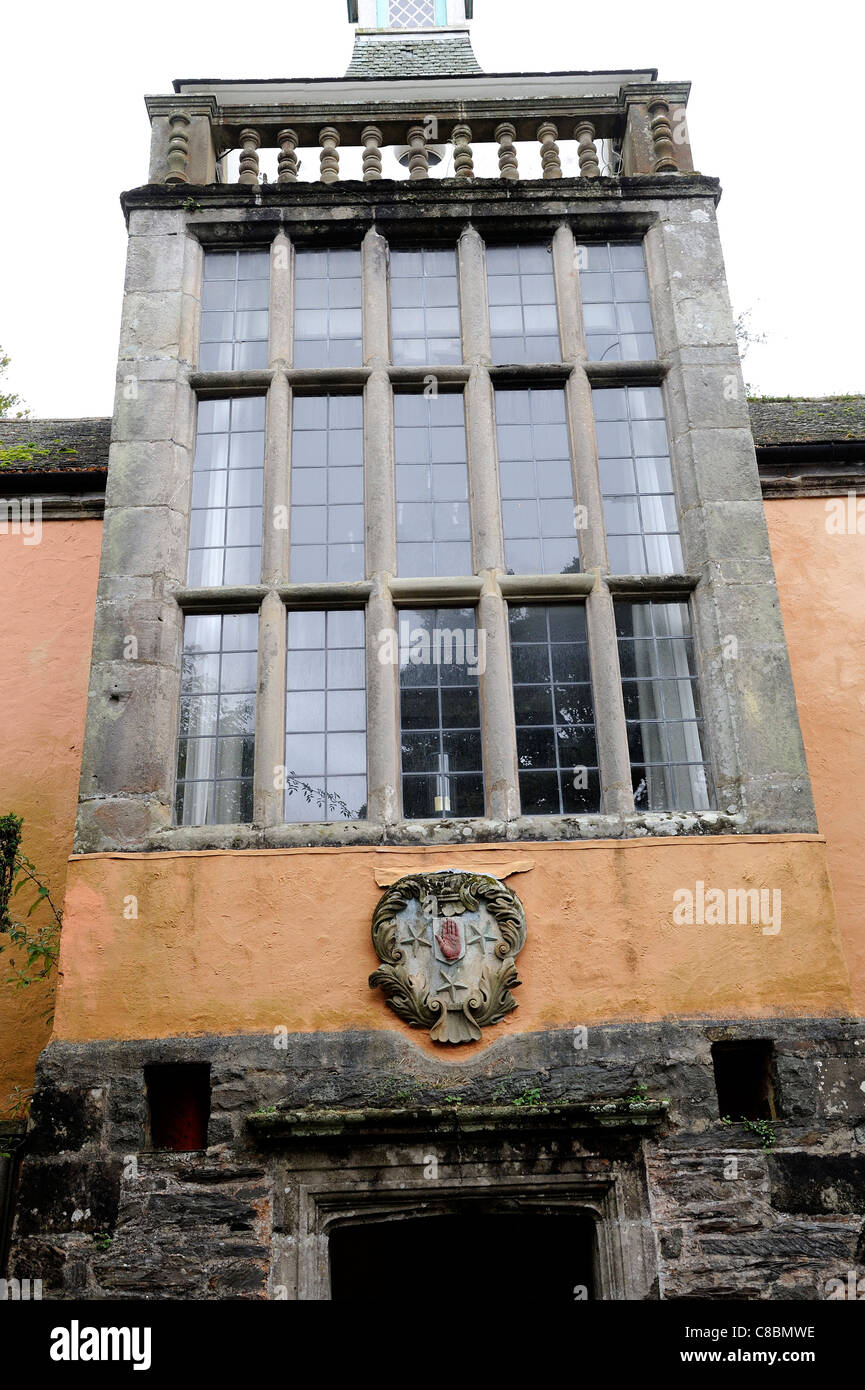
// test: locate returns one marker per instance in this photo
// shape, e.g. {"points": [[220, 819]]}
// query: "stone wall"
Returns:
{"points": [[695, 1209]]}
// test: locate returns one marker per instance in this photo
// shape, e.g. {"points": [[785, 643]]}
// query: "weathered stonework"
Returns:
{"points": [[686, 1206]]}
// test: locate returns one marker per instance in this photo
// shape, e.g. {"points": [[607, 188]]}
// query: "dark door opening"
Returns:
{"points": [[534, 1255]]}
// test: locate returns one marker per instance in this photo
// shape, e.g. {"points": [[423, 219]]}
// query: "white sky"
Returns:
{"points": [[775, 112]]}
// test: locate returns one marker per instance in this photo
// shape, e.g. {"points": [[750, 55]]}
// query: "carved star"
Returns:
{"points": [[415, 935], [450, 985], [484, 935]]}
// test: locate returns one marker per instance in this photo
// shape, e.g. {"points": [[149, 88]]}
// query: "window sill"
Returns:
{"points": [[434, 833]]}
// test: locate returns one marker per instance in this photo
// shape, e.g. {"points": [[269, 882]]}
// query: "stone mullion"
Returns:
{"points": [[568, 295], [281, 301], [499, 734], [382, 707], [486, 524], [275, 543], [586, 478], [498, 729], [380, 539], [611, 730], [275, 532], [270, 704], [473, 298], [612, 734], [610, 727], [270, 712]]}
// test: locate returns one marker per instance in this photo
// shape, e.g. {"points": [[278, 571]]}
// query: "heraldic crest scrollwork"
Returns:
{"points": [[448, 943]]}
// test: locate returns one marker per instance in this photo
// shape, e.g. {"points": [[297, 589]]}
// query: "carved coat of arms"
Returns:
{"points": [[447, 943]]}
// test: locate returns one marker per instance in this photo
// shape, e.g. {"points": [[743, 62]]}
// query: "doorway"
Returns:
{"points": [[537, 1256]]}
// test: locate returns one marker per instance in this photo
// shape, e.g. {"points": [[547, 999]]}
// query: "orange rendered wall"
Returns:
{"points": [[821, 580], [257, 940], [47, 598], [249, 943]]}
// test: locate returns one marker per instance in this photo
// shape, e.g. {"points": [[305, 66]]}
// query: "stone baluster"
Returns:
{"points": [[464, 165], [178, 149], [250, 141], [329, 140], [372, 138], [506, 134], [418, 163], [662, 137], [587, 150], [288, 142], [550, 158]]}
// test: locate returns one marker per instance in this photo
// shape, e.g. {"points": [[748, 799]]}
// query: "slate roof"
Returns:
{"points": [[58, 446], [413, 54], [811, 420]]}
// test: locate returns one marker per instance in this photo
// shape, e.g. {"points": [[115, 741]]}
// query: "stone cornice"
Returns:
{"points": [[551, 199], [340, 1125], [198, 104], [676, 92], [831, 469]]}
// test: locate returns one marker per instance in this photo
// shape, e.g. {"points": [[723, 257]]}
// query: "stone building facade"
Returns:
{"points": [[476, 376]]}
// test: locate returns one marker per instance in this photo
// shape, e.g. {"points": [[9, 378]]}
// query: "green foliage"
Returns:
{"points": [[9, 399], [530, 1097], [10, 840], [765, 1132], [17, 1107], [36, 948], [763, 1129], [639, 1095]]}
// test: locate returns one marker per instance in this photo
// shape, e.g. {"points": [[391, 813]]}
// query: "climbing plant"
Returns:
{"points": [[32, 950]]}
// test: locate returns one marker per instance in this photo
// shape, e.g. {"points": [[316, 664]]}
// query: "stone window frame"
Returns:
{"points": [[490, 589], [322, 1199]]}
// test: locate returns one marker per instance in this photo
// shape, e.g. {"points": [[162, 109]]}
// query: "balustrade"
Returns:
{"points": [[637, 132]]}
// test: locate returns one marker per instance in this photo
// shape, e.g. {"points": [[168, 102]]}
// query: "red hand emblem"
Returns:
{"points": [[449, 939]]}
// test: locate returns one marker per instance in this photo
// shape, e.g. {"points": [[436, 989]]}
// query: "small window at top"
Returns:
{"points": [[412, 14]]}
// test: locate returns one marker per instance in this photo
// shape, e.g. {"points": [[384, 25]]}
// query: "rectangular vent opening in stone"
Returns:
{"points": [[178, 1105], [745, 1079]]}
